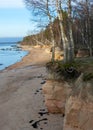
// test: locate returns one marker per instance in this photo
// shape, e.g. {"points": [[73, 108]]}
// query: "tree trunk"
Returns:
{"points": [[53, 43], [87, 27], [68, 44], [71, 42], [63, 36], [51, 31]]}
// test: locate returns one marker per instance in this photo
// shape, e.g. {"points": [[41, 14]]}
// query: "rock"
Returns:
{"points": [[55, 95], [79, 107]]}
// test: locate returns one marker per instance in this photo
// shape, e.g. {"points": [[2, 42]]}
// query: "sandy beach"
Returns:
{"points": [[21, 99]]}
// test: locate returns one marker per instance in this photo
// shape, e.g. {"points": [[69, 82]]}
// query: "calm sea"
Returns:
{"points": [[10, 52]]}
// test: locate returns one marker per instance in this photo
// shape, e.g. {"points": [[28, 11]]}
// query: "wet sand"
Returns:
{"points": [[21, 99]]}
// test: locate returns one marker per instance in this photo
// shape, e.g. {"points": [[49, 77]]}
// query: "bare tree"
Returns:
{"points": [[41, 8], [68, 43], [51, 30], [71, 42]]}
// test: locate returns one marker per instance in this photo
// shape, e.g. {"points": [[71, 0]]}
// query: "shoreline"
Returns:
{"points": [[31, 58], [14, 64], [18, 55]]}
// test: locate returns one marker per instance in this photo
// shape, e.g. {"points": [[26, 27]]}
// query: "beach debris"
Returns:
{"points": [[42, 113], [38, 90], [31, 121], [36, 123], [40, 76], [43, 82], [42, 109]]}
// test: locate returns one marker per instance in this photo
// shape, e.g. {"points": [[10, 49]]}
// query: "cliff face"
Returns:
{"points": [[74, 101], [55, 96], [79, 107]]}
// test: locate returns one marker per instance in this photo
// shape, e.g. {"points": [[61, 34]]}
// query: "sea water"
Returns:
{"points": [[10, 52]]}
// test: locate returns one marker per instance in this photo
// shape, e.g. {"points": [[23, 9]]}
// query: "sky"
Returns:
{"points": [[14, 19]]}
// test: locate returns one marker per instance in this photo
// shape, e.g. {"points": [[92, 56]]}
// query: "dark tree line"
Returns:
{"points": [[83, 25]]}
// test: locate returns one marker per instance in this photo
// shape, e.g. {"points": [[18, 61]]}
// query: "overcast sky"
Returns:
{"points": [[14, 19]]}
